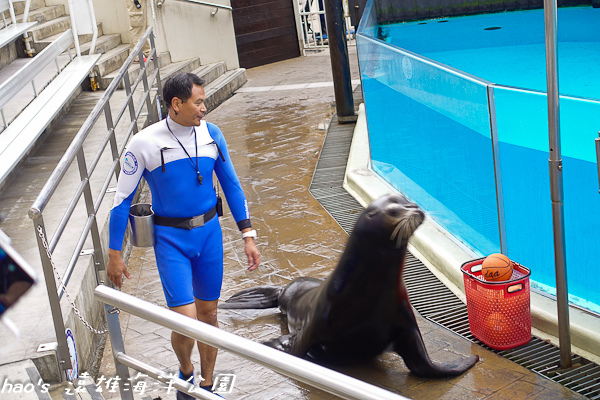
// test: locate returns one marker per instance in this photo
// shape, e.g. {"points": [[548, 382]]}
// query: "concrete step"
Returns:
{"points": [[112, 60], [39, 45], [210, 72], [50, 28], [223, 87], [177, 67], [44, 14], [19, 6], [104, 81], [104, 44]]}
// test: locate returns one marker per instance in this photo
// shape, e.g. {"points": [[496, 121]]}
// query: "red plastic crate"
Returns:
{"points": [[499, 312]]}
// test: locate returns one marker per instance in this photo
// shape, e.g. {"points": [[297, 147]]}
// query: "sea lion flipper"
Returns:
{"points": [[256, 297], [283, 343], [411, 348]]}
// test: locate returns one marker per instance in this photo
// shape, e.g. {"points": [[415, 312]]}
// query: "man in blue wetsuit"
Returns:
{"points": [[177, 157]]}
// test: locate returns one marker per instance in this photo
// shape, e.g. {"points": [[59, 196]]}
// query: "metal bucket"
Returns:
{"points": [[141, 218]]}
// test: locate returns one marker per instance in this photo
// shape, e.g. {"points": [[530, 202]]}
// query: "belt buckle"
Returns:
{"points": [[196, 221]]}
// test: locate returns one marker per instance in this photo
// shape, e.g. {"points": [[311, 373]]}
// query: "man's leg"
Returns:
{"points": [[137, 25], [183, 345], [207, 312]]}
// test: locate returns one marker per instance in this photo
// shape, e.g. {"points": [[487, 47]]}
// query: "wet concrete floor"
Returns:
{"points": [[275, 136]]}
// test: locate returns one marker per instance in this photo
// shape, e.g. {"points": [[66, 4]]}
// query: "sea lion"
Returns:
{"points": [[362, 309]]}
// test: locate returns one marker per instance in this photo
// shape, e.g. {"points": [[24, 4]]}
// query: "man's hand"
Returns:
{"points": [[252, 253], [116, 268]]}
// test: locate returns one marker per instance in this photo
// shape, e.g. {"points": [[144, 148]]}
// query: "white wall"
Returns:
{"points": [[188, 30], [185, 29]]}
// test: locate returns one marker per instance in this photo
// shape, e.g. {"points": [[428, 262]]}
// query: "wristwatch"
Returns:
{"points": [[251, 234]]}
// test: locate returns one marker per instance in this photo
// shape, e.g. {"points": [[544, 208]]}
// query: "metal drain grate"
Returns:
{"points": [[430, 297]]}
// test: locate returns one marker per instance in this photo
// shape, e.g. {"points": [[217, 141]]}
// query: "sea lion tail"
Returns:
{"points": [[255, 297]]}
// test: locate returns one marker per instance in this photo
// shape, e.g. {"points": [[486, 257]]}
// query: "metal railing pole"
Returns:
{"points": [[158, 82], [116, 342], [286, 364], [148, 99], [91, 212], [63, 358]]}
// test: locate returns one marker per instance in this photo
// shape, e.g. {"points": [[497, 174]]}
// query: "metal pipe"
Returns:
{"points": [[26, 11], [205, 3], [94, 27], [556, 184], [74, 28], [340, 64], [11, 11], [286, 364]]}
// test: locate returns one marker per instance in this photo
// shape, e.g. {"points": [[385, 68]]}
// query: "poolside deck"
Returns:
{"points": [[275, 126]]}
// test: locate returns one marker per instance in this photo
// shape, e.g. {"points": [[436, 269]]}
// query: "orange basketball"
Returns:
{"points": [[497, 267]]}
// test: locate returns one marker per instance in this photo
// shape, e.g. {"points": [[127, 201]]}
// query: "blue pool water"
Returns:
{"points": [[430, 130], [508, 48]]}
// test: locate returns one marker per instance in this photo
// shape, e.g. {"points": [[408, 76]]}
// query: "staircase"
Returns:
{"points": [[53, 20]]}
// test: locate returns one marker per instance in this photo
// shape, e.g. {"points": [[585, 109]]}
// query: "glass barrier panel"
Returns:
{"points": [[429, 132], [368, 22], [523, 137]]}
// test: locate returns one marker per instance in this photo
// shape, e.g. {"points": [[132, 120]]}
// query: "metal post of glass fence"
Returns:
{"points": [[598, 157], [305, 371], [497, 170], [556, 184]]}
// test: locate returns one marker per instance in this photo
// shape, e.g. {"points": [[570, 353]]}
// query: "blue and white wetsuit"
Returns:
{"points": [[190, 262]]}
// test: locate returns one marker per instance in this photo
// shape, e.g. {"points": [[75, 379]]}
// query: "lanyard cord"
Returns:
{"points": [[186, 153]]}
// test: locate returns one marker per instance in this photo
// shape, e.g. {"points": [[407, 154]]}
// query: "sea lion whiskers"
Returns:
{"points": [[406, 226]]}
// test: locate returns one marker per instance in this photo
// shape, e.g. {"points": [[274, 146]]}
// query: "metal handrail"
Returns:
{"points": [[305, 371], [205, 3]]}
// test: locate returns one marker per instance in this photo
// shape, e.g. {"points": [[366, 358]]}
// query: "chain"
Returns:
{"points": [[63, 287]]}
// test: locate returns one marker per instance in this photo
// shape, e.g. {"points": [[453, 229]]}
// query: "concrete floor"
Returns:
{"points": [[275, 127]]}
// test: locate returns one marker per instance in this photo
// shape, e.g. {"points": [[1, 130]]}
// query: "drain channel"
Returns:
{"points": [[423, 286]]}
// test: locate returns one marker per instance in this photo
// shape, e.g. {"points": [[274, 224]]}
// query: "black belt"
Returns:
{"points": [[185, 223]]}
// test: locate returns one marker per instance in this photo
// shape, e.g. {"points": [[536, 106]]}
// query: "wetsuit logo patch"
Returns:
{"points": [[130, 165]]}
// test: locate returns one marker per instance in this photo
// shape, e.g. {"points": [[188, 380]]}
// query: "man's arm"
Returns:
{"points": [[251, 251], [116, 268]]}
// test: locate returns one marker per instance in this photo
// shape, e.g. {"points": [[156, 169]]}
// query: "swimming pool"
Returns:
{"points": [[457, 117]]}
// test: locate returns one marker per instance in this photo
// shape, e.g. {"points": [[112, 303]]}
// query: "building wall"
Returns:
{"points": [[185, 29]]}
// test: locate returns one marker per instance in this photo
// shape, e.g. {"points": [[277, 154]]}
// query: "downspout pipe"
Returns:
{"points": [[340, 64]]}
